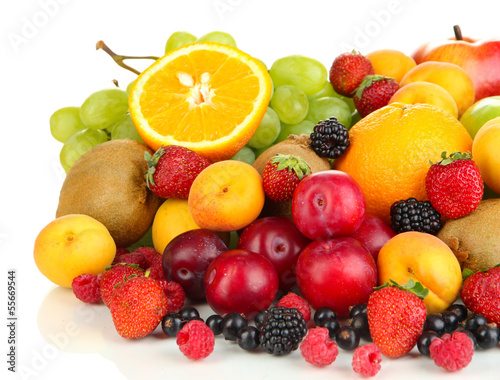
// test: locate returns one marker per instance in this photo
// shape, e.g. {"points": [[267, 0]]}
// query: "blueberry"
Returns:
{"points": [[347, 338], [356, 309], [172, 323], [487, 336], [424, 341], [188, 313], [360, 323], [474, 321], [248, 338], [215, 324], [436, 323], [323, 313], [459, 310], [332, 325], [451, 321], [231, 325], [259, 318]]}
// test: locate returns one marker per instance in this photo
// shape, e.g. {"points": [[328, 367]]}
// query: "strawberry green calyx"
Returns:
{"points": [[411, 286], [152, 161], [367, 82], [445, 159], [291, 162]]}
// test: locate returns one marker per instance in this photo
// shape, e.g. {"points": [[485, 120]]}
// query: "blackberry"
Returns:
{"points": [[413, 215], [282, 331], [330, 138]]}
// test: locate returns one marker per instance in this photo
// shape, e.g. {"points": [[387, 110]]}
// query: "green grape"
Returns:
{"points": [[124, 128], [220, 37], [80, 143], [290, 103], [245, 154], [328, 91], [178, 39], [309, 74], [324, 108], [129, 87], [103, 108], [305, 126], [355, 118], [267, 131], [65, 122]]}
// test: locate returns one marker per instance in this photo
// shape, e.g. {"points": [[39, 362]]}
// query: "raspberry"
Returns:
{"points": [[299, 303], [86, 288], [149, 253], [155, 267], [119, 251], [317, 347], [366, 359], [175, 295], [132, 258], [196, 340], [452, 352]]}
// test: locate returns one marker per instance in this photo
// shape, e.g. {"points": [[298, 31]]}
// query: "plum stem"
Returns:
{"points": [[458, 33], [120, 58]]}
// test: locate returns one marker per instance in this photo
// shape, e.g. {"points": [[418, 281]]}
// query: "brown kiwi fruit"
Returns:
{"points": [[297, 146], [108, 183], [475, 238]]}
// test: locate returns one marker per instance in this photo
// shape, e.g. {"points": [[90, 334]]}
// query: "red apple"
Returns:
{"points": [[280, 241], [240, 281], [373, 234], [480, 59], [338, 273], [187, 257], [328, 203]]}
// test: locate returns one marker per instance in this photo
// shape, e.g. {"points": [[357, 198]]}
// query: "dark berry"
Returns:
{"points": [[282, 331], [424, 341], [487, 336], [436, 323], [332, 325], [474, 321], [451, 321], [471, 336], [360, 323], [356, 309], [260, 318], [231, 324], [330, 138], [413, 215], [347, 338], [188, 313], [323, 313], [459, 310], [215, 323], [248, 338], [172, 323]]}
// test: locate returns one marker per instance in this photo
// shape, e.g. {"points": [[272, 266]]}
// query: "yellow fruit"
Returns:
{"points": [[425, 259], [72, 245], [486, 153], [390, 151], [206, 96], [391, 63], [226, 196]]}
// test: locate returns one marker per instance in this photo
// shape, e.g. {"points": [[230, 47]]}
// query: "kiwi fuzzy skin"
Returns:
{"points": [[475, 238], [108, 183], [297, 146]]}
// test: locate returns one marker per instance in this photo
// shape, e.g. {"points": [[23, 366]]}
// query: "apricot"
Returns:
{"points": [[391, 63], [226, 196], [72, 245], [485, 150], [425, 259], [426, 92], [451, 77]]}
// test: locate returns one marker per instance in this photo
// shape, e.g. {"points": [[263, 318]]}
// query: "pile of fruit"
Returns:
{"points": [[355, 209]]}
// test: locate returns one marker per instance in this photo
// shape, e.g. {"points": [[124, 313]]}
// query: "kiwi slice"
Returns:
{"points": [[108, 183]]}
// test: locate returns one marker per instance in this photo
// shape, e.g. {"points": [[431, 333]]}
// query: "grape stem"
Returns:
{"points": [[120, 58]]}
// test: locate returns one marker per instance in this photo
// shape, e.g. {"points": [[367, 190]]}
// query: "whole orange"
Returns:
{"points": [[390, 150]]}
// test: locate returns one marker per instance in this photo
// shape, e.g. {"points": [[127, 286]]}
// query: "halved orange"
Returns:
{"points": [[206, 96]]}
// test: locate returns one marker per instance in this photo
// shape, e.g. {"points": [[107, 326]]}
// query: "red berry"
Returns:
{"points": [[156, 267], [119, 251], [373, 93], [113, 276], [299, 303], [452, 352], [366, 359], [149, 253], [481, 294], [132, 258], [347, 72], [86, 288], [175, 295], [454, 185], [317, 348], [172, 170], [196, 340]]}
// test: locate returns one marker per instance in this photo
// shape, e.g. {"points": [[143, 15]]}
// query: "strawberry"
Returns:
{"points": [[114, 275], [373, 93], [454, 185], [396, 316], [281, 176], [347, 72], [172, 170], [138, 305], [481, 293]]}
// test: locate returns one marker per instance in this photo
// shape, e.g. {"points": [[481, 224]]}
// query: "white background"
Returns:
{"points": [[49, 61]]}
